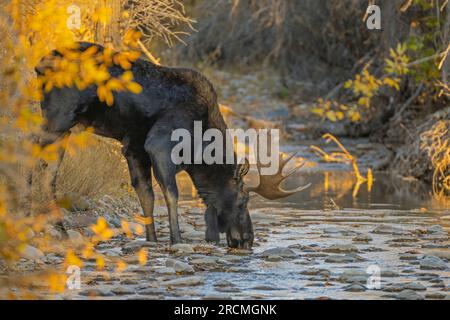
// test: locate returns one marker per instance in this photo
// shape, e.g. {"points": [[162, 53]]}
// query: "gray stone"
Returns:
{"points": [[362, 238], [185, 282], [279, 252], [353, 276], [75, 236], [32, 253], [409, 295], [387, 229], [355, 288], [183, 248], [315, 272], [432, 263], [164, 270], [122, 291], [435, 295], [179, 266], [347, 258], [97, 293], [223, 283], [341, 249]]}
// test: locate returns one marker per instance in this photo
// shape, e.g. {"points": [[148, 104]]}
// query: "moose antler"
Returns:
{"points": [[270, 185]]}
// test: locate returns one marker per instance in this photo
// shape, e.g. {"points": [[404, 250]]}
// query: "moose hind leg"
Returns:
{"points": [[139, 166], [165, 171], [212, 226], [50, 174]]}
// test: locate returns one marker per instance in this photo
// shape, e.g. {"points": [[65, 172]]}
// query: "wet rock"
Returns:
{"points": [[355, 288], [217, 296], [387, 229], [389, 274], [122, 291], [228, 289], [341, 249], [373, 249], [441, 254], [436, 229], [32, 253], [276, 254], [75, 236], [353, 276], [163, 270], [136, 245], [185, 281], [409, 295], [432, 263], [150, 292], [232, 258], [347, 258], [182, 248], [97, 293], [79, 220], [397, 287], [316, 272], [179, 266], [265, 288], [205, 261], [223, 283], [362, 238], [409, 257], [336, 230], [435, 295], [129, 282]]}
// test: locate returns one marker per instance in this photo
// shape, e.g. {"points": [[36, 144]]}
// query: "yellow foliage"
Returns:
{"points": [[142, 256]]}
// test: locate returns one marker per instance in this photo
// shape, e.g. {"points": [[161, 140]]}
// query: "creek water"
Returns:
{"points": [[334, 240]]}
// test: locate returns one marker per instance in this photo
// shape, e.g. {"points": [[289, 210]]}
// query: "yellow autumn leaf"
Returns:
{"points": [[72, 259], [121, 266], [142, 256], [134, 87], [100, 262]]}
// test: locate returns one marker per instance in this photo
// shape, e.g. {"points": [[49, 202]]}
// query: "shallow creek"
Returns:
{"points": [[330, 241]]}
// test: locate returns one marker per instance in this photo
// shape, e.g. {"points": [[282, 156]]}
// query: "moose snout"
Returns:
{"points": [[239, 240]]}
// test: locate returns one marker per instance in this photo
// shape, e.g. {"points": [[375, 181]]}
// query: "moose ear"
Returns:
{"points": [[242, 170]]}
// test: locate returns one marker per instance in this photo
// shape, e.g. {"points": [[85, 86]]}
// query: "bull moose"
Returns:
{"points": [[171, 98]]}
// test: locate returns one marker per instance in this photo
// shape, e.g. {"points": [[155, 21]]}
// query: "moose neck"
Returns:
{"points": [[211, 181]]}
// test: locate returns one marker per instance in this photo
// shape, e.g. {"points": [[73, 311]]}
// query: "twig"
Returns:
{"points": [[148, 53], [408, 102]]}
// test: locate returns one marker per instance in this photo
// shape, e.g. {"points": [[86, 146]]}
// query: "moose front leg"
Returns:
{"points": [[165, 172], [139, 166], [212, 225]]}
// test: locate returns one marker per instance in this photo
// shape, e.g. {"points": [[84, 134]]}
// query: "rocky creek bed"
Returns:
{"points": [[298, 254]]}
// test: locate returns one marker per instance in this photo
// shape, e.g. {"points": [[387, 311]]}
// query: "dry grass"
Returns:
{"points": [[164, 19], [436, 143], [97, 170]]}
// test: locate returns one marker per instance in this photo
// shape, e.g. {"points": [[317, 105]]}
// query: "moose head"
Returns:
{"points": [[238, 225]]}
